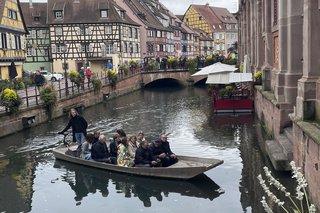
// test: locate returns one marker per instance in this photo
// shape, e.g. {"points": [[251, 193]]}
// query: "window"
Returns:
{"points": [[4, 41], [109, 48], [60, 48], [200, 18], [59, 31], [17, 40], [104, 13], [130, 32], [36, 19], [29, 51], [108, 30], [39, 34], [58, 14], [122, 13], [12, 14], [85, 48]]}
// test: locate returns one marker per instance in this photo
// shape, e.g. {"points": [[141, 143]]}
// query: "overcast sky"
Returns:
{"points": [[179, 7]]}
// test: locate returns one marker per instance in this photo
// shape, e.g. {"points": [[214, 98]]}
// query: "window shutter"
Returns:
{"points": [[13, 42], [115, 48], [23, 45], [90, 48], [103, 50], [34, 52], [0, 40], [8, 41], [54, 48]]}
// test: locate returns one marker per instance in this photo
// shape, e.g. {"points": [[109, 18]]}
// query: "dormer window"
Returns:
{"points": [[12, 14], [122, 14], [104, 13], [58, 14], [36, 19]]}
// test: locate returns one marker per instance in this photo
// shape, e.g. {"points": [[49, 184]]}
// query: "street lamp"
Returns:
{"points": [[64, 49], [131, 49]]}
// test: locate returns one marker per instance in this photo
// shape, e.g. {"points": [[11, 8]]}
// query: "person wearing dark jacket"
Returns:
{"points": [[39, 79], [143, 157], [79, 126], [161, 149], [99, 150]]}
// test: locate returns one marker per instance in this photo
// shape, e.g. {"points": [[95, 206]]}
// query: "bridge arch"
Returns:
{"points": [[182, 76]]}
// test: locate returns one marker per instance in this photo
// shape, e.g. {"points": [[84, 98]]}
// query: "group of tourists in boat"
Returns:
{"points": [[123, 150]]}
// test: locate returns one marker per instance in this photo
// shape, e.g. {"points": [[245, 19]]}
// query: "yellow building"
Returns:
{"points": [[218, 23], [12, 39]]}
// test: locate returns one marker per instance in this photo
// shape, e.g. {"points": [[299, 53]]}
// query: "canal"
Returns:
{"points": [[31, 180]]}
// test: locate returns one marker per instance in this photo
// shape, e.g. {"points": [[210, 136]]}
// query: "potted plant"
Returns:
{"points": [[11, 100], [124, 69], [75, 78], [97, 84], [258, 77], [49, 98], [192, 65], [112, 76], [172, 63]]}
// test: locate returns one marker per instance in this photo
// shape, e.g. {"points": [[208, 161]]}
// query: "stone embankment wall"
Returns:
{"points": [[11, 123]]}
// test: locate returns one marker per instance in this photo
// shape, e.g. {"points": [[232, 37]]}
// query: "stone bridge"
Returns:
{"points": [[181, 76]]}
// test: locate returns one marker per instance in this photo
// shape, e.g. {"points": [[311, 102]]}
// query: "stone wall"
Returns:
{"points": [[306, 155], [10, 124]]}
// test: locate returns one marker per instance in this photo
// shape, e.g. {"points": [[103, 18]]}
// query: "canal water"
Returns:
{"points": [[31, 180]]}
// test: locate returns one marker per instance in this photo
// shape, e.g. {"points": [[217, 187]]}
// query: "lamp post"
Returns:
{"points": [[65, 67], [131, 49]]}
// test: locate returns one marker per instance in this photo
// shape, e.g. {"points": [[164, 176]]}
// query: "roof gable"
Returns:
{"points": [[86, 11]]}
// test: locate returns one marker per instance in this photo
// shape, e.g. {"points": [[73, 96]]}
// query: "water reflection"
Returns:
{"points": [[85, 180]]}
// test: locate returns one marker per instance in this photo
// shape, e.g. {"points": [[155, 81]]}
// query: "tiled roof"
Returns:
{"points": [[224, 15], [207, 13], [86, 11], [3, 3], [37, 10], [144, 14]]}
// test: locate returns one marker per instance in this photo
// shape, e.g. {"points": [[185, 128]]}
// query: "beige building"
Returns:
{"points": [[281, 38]]}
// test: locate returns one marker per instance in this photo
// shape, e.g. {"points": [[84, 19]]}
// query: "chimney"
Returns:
{"points": [[30, 4]]}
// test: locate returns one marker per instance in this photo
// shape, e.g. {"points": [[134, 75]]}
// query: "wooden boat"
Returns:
{"points": [[186, 168]]}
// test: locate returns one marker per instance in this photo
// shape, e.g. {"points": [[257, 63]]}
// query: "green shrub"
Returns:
{"points": [[11, 100], [49, 97], [124, 68], [97, 84], [192, 65], [18, 84], [5, 84], [133, 64], [229, 88], [112, 76]]}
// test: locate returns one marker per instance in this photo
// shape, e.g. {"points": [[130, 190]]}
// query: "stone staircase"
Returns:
{"points": [[280, 150]]}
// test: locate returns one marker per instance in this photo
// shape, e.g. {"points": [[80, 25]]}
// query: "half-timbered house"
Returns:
{"points": [[219, 23], [12, 39], [91, 33], [154, 43], [38, 41]]}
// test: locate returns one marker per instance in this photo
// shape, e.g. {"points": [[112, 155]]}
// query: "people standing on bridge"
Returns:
{"points": [[39, 80], [79, 126], [88, 74]]}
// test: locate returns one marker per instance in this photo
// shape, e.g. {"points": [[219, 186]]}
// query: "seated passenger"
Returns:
{"points": [[99, 150], [143, 157], [123, 158], [86, 147], [96, 134], [132, 146], [140, 138], [114, 148], [161, 149]]}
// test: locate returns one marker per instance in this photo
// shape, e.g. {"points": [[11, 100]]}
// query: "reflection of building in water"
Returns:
{"points": [[20, 176], [253, 162], [82, 181]]}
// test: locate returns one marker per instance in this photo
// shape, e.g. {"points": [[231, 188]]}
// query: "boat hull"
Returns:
{"points": [[186, 168]]}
